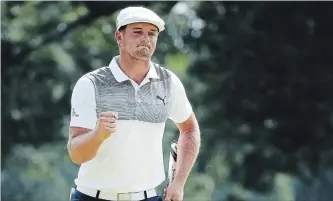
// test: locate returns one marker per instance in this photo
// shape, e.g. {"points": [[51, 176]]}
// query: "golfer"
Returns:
{"points": [[118, 116]]}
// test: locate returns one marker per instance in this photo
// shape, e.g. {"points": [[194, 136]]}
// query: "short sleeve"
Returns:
{"points": [[83, 105], [181, 108]]}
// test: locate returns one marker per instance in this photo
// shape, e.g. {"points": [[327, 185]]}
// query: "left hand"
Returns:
{"points": [[174, 192]]}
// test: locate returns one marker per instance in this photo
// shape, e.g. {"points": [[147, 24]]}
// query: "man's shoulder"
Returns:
{"points": [[99, 71], [98, 74], [90, 77], [162, 71], [165, 72]]}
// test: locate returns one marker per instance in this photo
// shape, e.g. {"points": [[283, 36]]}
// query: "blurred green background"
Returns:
{"points": [[258, 74]]}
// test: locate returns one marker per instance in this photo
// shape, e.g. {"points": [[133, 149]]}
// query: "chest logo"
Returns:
{"points": [[162, 99]]}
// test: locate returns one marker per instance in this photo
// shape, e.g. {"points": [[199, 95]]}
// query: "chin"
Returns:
{"points": [[143, 57]]}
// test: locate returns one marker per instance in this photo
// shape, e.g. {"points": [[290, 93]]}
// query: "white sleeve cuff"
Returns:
{"points": [[181, 107], [83, 105]]}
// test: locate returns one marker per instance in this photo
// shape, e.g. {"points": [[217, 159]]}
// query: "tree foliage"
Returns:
{"points": [[46, 46], [267, 71]]}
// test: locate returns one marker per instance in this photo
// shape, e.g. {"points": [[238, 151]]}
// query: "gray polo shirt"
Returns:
{"points": [[131, 159]]}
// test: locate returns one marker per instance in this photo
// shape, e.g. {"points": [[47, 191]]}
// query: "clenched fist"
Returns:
{"points": [[174, 192], [106, 124]]}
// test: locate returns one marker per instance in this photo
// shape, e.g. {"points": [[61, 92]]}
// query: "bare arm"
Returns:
{"points": [[187, 148], [83, 143]]}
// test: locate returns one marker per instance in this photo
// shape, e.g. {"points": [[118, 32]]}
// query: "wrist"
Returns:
{"points": [[178, 182], [97, 136]]}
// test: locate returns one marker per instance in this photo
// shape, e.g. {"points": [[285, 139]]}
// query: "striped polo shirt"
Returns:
{"points": [[131, 159]]}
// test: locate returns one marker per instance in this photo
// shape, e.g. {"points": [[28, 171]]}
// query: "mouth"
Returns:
{"points": [[144, 46]]}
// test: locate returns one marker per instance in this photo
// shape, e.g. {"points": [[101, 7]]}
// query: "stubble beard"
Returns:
{"points": [[142, 54]]}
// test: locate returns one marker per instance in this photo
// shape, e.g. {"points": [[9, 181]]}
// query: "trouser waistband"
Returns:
{"points": [[113, 196]]}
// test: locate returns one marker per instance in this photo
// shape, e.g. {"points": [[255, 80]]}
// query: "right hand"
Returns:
{"points": [[106, 124]]}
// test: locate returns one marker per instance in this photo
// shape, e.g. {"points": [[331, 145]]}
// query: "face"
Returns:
{"points": [[138, 40]]}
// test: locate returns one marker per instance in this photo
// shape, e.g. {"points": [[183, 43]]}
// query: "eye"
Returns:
{"points": [[152, 34], [138, 32]]}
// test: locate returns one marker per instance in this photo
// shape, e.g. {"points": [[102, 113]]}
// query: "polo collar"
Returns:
{"points": [[120, 76]]}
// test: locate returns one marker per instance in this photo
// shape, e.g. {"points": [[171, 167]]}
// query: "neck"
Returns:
{"points": [[134, 68]]}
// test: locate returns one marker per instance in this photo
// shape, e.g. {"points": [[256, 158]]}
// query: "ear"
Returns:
{"points": [[119, 36]]}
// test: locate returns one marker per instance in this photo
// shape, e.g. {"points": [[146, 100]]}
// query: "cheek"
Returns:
{"points": [[129, 44], [153, 43]]}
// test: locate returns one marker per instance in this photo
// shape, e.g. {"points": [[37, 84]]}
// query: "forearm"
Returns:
{"points": [[84, 147], [187, 151]]}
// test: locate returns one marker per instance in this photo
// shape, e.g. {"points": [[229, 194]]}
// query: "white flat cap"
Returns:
{"points": [[131, 15]]}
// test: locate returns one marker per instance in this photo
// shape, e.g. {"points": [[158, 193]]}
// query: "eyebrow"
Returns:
{"points": [[153, 29], [139, 28]]}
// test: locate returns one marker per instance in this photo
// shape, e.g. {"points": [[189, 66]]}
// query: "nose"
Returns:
{"points": [[145, 37]]}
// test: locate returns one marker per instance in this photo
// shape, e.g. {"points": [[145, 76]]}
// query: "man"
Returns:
{"points": [[118, 118]]}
